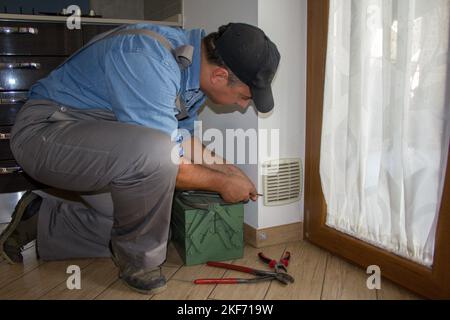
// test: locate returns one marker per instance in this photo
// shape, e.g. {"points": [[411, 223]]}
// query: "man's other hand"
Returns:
{"points": [[234, 170], [236, 189]]}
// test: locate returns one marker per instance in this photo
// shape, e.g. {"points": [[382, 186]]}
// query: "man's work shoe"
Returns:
{"points": [[22, 229], [143, 281]]}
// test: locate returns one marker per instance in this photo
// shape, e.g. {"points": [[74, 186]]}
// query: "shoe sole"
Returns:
{"points": [[146, 292], [16, 217]]}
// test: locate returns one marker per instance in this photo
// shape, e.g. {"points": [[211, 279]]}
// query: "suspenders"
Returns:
{"points": [[183, 55]]}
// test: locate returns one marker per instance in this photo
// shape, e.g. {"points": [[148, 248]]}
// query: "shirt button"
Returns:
{"points": [[63, 109]]}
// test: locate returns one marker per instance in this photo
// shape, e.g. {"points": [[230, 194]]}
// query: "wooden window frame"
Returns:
{"points": [[428, 282]]}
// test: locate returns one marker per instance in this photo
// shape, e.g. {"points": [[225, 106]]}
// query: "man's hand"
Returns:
{"points": [[232, 187], [236, 189], [213, 173], [231, 170], [238, 172]]}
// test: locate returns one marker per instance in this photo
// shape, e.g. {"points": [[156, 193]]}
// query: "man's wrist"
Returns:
{"points": [[197, 177], [223, 168]]}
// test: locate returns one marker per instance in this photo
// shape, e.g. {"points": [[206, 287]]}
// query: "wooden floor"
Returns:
{"points": [[318, 275]]}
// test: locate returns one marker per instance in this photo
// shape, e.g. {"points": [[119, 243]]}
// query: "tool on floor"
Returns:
{"points": [[261, 275], [274, 264]]}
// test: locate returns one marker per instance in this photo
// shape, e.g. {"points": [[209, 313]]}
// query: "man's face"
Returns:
{"points": [[221, 92], [232, 95]]}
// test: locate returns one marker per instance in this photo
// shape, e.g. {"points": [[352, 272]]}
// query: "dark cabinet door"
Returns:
{"points": [[5, 151], [38, 38], [10, 104], [13, 179], [20, 73], [29, 51]]}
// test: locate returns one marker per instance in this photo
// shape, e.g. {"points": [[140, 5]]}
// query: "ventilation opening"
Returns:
{"points": [[282, 180]]}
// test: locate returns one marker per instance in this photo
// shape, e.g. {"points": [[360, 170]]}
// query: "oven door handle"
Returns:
{"points": [[19, 65], [5, 136], [12, 101], [18, 30], [10, 170]]}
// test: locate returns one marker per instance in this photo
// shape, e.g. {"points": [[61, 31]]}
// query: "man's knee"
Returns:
{"points": [[150, 153]]}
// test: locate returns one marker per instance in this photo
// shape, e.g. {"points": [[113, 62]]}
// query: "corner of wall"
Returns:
{"points": [[285, 25]]}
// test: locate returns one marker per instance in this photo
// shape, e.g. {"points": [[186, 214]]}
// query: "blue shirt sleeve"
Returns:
{"points": [[143, 89]]}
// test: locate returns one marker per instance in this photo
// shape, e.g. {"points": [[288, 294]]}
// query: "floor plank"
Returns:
{"points": [[9, 273], [190, 273], [119, 291], [95, 278], [184, 290], [344, 281], [247, 291], [39, 281], [173, 258], [391, 291], [307, 266], [317, 273]]}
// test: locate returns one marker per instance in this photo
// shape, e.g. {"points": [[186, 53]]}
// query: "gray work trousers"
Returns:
{"points": [[123, 173]]}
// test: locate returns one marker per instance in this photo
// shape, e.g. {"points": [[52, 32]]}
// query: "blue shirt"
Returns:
{"points": [[133, 76]]}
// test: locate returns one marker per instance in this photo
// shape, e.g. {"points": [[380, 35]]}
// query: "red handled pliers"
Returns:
{"points": [[261, 275]]}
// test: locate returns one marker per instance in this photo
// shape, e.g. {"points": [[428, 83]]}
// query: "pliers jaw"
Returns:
{"points": [[280, 267], [284, 278]]}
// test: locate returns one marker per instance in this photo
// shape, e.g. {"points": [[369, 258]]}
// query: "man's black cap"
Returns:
{"points": [[253, 58]]}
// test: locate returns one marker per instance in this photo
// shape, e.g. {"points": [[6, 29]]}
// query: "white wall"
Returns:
{"points": [[161, 9], [284, 21]]}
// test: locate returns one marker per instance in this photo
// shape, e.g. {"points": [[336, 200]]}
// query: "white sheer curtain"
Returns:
{"points": [[386, 122]]}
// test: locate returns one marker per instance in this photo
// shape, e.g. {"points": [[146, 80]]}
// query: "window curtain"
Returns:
{"points": [[385, 134]]}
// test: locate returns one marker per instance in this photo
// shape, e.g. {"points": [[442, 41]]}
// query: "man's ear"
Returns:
{"points": [[219, 76]]}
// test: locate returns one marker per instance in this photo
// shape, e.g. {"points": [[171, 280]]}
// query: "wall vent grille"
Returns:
{"points": [[283, 181]]}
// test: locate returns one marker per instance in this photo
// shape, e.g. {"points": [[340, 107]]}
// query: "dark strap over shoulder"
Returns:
{"points": [[183, 54]]}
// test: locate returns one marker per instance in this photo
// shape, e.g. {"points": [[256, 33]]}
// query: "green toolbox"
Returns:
{"points": [[205, 228]]}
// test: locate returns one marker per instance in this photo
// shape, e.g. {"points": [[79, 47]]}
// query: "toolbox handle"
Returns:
{"points": [[183, 197]]}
